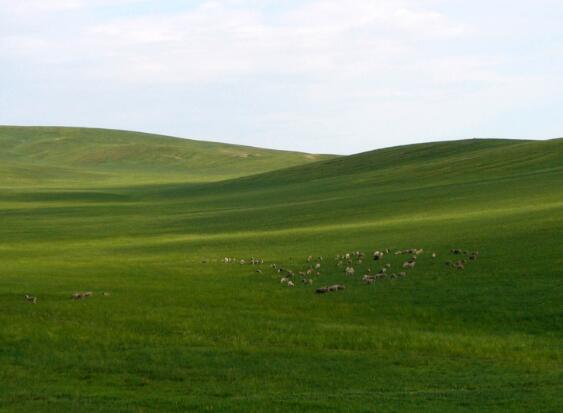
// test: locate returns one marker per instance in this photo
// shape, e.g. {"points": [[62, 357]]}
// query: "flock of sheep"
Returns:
{"points": [[349, 264], [76, 296]]}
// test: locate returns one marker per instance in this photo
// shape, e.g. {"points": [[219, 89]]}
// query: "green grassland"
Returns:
{"points": [[148, 219]]}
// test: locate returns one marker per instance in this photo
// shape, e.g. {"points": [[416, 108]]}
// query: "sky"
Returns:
{"points": [[322, 76]]}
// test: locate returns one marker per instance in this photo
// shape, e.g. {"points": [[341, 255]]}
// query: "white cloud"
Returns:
{"points": [[327, 68]]}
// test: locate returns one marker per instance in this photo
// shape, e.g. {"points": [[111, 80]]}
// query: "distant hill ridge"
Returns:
{"points": [[103, 154]]}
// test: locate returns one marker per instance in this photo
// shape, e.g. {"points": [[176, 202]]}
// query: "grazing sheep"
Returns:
{"points": [[284, 280], [31, 299], [402, 274], [309, 258], [377, 255], [290, 284], [459, 265], [330, 288], [433, 255], [409, 264], [242, 262], [259, 271], [350, 271], [81, 295], [317, 265]]}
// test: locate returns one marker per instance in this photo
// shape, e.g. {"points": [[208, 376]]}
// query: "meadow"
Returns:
{"points": [[148, 220]]}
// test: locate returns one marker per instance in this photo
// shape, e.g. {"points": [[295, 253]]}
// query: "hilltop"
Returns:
{"points": [[54, 155]]}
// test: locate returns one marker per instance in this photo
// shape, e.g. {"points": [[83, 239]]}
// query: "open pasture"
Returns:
{"points": [[180, 330]]}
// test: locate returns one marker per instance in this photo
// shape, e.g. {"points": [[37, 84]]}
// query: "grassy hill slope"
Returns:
{"points": [[182, 331], [53, 155]]}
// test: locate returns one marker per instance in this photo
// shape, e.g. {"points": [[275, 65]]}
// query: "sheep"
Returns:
{"points": [[284, 280], [350, 271], [242, 262], [31, 299], [259, 271], [317, 265], [434, 255], [330, 288], [402, 274], [290, 284], [309, 258], [409, 264], [387, 265], [377, 255], [459, 265], [81, 295]]}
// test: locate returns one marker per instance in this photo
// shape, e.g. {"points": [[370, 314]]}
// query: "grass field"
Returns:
{"points": [[148, 219]]}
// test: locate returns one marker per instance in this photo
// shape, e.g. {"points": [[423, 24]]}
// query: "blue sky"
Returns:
{"points": [[313, 75]]}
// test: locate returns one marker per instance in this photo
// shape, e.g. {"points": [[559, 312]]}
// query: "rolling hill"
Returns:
{"points": [[51, 155], [180, 330]]}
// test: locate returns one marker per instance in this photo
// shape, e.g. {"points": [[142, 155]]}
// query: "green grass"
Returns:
{"points": [[89, 157], [180, 335]]}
